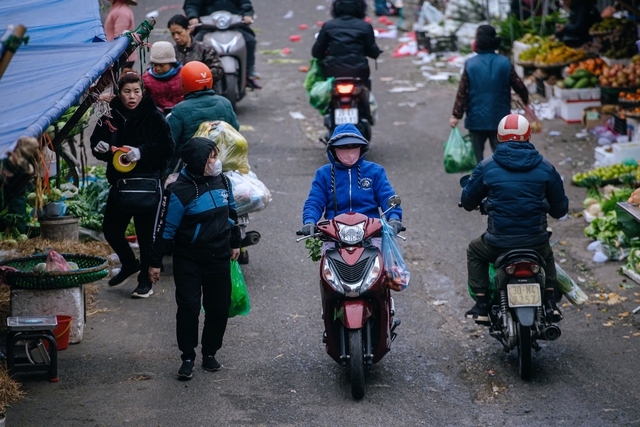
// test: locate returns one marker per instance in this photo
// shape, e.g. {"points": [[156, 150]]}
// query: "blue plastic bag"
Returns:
{"points": [[396, 273]]}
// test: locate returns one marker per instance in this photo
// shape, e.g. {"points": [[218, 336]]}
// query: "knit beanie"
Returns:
{"points": [[163, 53], [486, 38]]}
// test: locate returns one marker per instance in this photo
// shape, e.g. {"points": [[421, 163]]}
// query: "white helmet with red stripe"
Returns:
{"points": [[514, 127]]}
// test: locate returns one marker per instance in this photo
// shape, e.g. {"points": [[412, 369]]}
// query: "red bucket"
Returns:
{"points": [[61, 332]]}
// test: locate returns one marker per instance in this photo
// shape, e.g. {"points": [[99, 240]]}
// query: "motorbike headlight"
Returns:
{"points": [[351, 234], [223, 22], [371, 276], [331, 277]]}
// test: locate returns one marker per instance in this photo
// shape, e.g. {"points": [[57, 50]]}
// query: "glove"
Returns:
{"points": [[396, 225], [309, 228], [133, 155], [102, 147]]}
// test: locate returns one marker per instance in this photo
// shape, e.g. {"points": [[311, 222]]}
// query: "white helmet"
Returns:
{"points": [[514, 127]]}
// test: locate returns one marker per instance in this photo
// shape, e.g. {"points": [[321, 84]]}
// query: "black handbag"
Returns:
{"points": [[138, 193]]}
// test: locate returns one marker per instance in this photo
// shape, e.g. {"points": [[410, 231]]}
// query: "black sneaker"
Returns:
{"points": [[124, 273], [552, 311], [252, 83], [209, 363], [186, 370], [142, 291], [479, 312]]}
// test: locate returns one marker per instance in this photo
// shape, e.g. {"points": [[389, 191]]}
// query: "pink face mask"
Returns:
{"points": [[348, 157]]}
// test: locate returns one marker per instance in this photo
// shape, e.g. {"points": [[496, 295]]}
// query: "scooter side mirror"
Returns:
{"points": [[464, 180], [394, 201]]}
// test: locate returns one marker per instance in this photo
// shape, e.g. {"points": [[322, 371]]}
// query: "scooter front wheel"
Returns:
{"points": [[356, 363]]}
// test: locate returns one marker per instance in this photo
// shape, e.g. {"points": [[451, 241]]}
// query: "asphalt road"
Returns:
{"points": [[442, 370]]}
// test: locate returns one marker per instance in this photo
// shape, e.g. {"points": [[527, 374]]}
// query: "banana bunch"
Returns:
{"points": [[560, 54]]}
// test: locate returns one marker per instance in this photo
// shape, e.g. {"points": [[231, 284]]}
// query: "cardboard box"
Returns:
{"points": [[594, 116]]}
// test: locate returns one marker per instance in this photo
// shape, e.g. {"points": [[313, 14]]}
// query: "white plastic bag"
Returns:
{"points": [[249, 193]]}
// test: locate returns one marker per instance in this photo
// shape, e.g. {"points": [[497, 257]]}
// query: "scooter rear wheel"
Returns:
{"points": [[356, 363], [524, 351]]}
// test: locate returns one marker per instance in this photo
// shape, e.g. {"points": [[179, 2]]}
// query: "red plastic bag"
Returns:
{"points": [[56, 262]]}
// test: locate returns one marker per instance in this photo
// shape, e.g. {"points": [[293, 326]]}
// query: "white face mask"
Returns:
{"points": [[213, 169]]}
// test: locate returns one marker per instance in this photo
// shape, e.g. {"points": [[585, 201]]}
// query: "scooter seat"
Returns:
{"points": [[518, 254]]}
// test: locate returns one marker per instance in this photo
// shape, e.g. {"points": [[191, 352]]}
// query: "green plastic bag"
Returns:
{"points": [[314, 75], [492, 292], [320, 95], [458, 153], [239, 296]]}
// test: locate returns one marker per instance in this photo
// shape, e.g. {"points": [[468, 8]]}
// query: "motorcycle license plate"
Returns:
{"points": [[523, 294], [346, 115]]}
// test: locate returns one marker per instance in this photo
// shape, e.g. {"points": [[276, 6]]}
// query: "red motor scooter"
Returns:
{"points": [[357, 305]]}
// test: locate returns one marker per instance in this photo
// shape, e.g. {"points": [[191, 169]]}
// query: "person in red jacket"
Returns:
{"points": [[120, 19], [162, 81]]}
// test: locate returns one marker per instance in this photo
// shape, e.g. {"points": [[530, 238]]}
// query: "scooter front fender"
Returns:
{"points": [[526, 315], [354, 314], [229, 64]]}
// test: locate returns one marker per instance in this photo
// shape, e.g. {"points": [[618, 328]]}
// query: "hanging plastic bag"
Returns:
{"points": [[320, 95], [314, 75], [458, 153], [529, 114], [240, 304], [249, 193], [232, 145], [569, 288], [395, 270]]}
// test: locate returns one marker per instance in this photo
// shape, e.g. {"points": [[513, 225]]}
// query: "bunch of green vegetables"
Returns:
{"points": [[90, 203], [315, 248], [62, 121]]}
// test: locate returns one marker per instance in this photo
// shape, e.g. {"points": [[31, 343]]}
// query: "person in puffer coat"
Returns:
{"points": [[162, 81], [198, 215], [349, 183], [517, 189], [484, 93]]}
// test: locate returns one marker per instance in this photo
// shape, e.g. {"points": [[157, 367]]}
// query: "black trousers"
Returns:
{"points": [[116, 220], [209, 282], [480, 253], [478, 138]]}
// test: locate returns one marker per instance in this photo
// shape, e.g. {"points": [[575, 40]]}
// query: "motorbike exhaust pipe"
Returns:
{"points": [[252, 238], [551, 333]]}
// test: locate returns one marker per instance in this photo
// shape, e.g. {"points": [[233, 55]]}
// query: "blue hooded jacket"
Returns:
{"points": [[363, 188], [521, 188]]}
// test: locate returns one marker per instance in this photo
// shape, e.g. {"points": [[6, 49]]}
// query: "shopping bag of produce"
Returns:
{"points": [[320, 95], [249, 193], [458, 153], [528, 113], [314, 75], [569, 288], [395, 270], [240, 304], [232, 145]]}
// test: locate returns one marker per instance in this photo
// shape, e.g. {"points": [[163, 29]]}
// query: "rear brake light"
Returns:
{"points": [[344, 89], [522, 269]]}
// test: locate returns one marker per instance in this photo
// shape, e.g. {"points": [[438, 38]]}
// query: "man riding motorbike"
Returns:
{"points": [[517, 188], [345, 42], [194, 9]]}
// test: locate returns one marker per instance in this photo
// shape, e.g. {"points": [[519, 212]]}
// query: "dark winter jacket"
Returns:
{"points": [[166, 90], [144, 128], [489, 90], [197, 213], [521, 188], [363, 188], [197, 51], [344, 43], [582, 15], [198, 8], [197, 107]]}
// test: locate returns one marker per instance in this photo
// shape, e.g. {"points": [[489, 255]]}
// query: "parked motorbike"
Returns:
{"points": [[516, 317], [231, 47], [357, 306], [348, 106]]}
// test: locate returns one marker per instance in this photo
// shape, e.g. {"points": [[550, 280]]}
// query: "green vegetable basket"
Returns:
{"points": [[90, 269]]}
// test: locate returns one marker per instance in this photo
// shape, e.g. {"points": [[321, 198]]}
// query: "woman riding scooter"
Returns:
{"points": [[345, 42]]}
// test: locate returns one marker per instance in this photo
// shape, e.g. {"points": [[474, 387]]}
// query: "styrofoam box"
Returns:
{"points": [[604, 157], [629, 150], [585, 94], [571, 111]]}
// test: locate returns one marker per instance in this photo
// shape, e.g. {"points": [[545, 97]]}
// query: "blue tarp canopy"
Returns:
{"points": [[66, 53]]}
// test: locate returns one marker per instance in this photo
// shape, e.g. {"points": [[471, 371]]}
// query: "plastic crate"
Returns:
{"points": [[436, 44]]}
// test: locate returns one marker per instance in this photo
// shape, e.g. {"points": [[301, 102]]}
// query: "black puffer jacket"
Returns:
{"points": [[344, 43], [145, 128], [198, 8]]}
